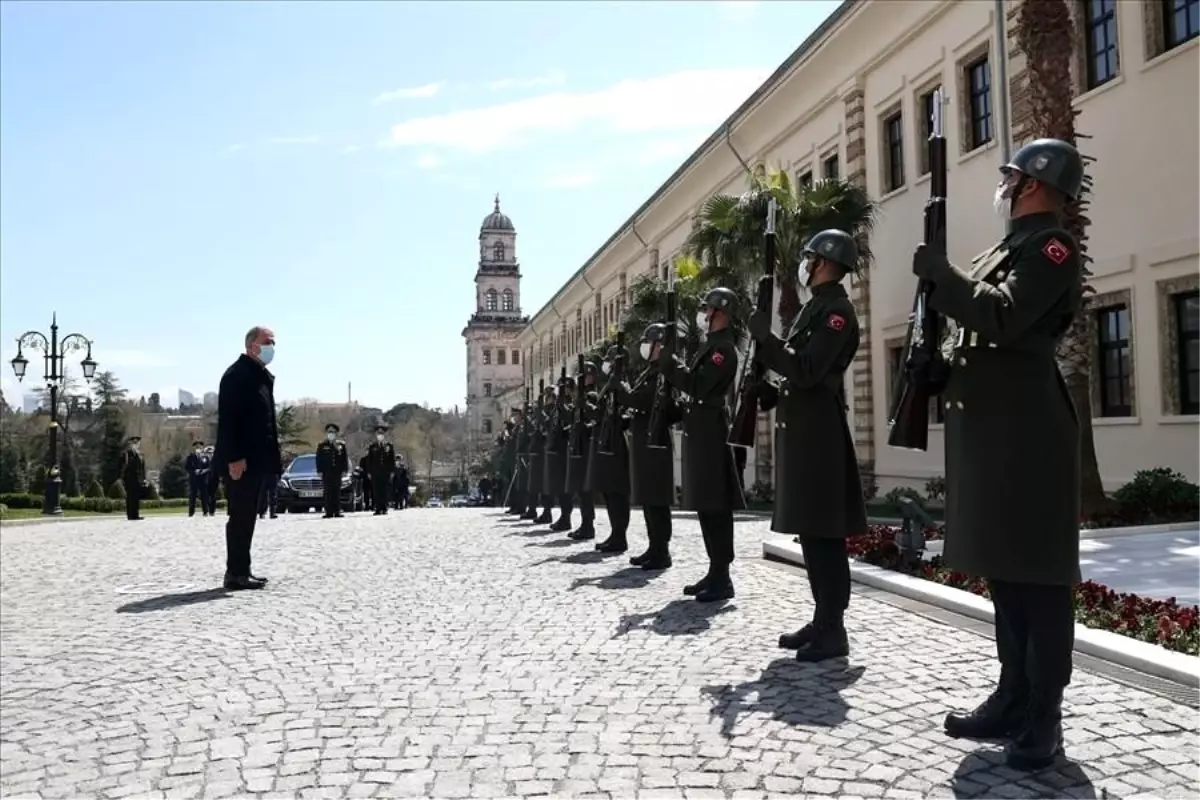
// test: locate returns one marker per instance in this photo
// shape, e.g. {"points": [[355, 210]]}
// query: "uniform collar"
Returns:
{"points": [[1035, 222], [724, 333], [830, 289]]}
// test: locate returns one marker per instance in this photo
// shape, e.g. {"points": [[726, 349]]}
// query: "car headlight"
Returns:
{"points": [[283, 484]]}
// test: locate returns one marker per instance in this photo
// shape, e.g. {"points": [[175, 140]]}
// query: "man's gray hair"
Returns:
{"points": [[253, 334]]}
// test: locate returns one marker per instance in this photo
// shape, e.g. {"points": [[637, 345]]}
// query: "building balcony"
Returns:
{"points": [[501, 318]]}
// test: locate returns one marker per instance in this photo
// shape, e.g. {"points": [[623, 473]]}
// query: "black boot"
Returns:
{"points": [[642, 558], [693, 589], [1000, 716], [530, 514], [718, 588], [794, 641], [544, 518], [615, 543], [561, 524], [584, 533], [659, 559], [1041, 740], [828, 641]]}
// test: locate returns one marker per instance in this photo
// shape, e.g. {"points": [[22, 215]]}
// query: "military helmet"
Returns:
{"points": [[1053, 162], [721, 299], [615, 352], [589, 368], [835, 246], [655, 332], [332, 428]]}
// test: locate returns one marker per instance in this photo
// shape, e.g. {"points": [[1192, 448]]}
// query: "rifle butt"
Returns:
{"points": [[910, 425]]}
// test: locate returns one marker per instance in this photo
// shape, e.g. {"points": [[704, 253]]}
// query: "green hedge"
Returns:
{"points": [[104, 505]]}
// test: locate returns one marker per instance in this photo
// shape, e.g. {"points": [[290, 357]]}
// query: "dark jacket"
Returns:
{"points": [[554, 466], [710, 478], [818, 492], [332, 459], [196, 466], [246, 426], [651, 470], [537, 451], [577, 463], [607, 472], [1012, 433]]}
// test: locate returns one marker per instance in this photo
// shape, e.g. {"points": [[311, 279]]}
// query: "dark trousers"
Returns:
{"points": [[658, 525], [587, 508], [1035, 634], [331, 483], [566, 504], [242, 498], [379, 489], [133, 499], [268, 492], [717, 529], [828, 567], [368, 493], [617, 506], [400, 498], [196, 487], [516, 499]]}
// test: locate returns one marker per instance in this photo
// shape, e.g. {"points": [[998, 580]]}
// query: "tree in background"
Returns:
{"points": [[292, 439], [1046, 33], [109, 395], [154, 404], [173, 478]]}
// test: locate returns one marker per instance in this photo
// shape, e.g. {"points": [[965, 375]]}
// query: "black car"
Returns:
{"points": [[300, 488]]}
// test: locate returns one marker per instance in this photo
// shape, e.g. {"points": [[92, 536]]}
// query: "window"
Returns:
{"points": [[516, 357], [1100, 41], [1181, 21], [893, 128], [498, 251], [507, 300], [501, 354], [829, 168], [487, 390], [925, 128], [979, 96], [487, 355], [1116, 393], [487, 425], [1187, 338], [489, 302], [805, 181]]}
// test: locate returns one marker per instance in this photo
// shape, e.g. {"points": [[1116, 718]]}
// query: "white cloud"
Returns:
{"points": [[285, 140], [675, 149], [683, 100], [429, 161], [410, 93], [554, 78], [571, 180]]}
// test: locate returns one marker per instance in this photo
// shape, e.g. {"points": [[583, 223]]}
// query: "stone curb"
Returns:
{"points": [[1085, 533], [1141, 656], [50, 520]]}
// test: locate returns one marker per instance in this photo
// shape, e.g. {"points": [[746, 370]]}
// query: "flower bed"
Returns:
{"points": [[1162, 622]]}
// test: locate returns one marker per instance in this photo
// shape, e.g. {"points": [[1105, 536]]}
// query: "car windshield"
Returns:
{"points": [[302, 465]]}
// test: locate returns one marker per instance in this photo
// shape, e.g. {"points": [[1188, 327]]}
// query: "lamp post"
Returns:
{"points": [[54, 352]]}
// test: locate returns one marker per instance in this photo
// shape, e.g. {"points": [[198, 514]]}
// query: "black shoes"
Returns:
{"points": [[241, 582], [613, 544], [1032, 722]]}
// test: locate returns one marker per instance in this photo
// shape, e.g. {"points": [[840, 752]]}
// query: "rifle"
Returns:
{"points": [[659, 434], [610, 430], [745, 419], [541, 408], [553, 432], [924, 370], [575, 448]]}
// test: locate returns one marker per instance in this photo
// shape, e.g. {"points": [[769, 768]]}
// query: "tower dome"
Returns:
{"points": [[497, 220]]}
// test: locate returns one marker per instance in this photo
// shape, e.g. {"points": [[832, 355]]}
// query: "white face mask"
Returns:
{"points": [[804, 272], [645, 349], [702, 321], [329, 437], [606, 367], [1002, 201], [379, 437], [136, 446], [198, 451]]}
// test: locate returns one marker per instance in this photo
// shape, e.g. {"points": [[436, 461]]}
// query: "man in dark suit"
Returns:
{"points": [[247, 449]]}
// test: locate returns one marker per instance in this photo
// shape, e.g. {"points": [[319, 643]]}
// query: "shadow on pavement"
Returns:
{"points": [[983, 774], [552, 543], [628, 578], [539, 531], [677, 618], [791, 692], [165, 602], [582, 557]]}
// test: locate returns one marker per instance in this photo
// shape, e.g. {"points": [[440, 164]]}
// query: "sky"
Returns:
{"points": [[172, 174]]}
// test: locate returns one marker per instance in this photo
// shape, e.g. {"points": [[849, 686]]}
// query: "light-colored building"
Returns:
{"points": [[186, 398], [494, 358], [210, 401], [31, 401], [852, 101]]}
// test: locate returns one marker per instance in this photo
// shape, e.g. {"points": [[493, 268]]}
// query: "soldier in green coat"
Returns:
{"points": [[557, 436], [520, 448], [711, 485], [608, 459], [1012, 445], [579, 453], [818, 491]]}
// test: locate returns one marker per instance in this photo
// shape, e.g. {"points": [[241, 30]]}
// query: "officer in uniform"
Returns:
{"points": [[711, 486], [518, 445], [819, 495], [197, 466], [332, 464], [133, 477], [533, 475], [558, 436], [381, 461], [651, 470], [364, 469], [1012, 445], [577, 462], [608, 463], [209, 496], [508, 466], [400, 481]]}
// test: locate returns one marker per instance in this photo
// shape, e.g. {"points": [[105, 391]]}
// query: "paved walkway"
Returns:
{"points": [[445, 653]]}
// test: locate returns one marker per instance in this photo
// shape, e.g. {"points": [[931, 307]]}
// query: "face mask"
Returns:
{"points": [[266, 354], [645, 350], [1002, 201], [702, 321], [329, 437], [379, 437], [606, 367], [135, 447], [804, 272], [198, 451]]}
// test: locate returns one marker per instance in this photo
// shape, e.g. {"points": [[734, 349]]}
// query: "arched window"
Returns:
{"points": [[498, 251], [508, 300], [490, 300]]}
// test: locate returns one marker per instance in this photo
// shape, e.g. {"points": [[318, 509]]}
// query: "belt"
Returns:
{"points": [[968, 338], [1033, 344]]}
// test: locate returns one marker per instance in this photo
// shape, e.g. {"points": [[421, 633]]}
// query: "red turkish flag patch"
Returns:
{"points": [[1056, 251], [717, 358], [836, 322]]}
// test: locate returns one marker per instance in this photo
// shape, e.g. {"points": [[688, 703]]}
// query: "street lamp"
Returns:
{"points": [[54, 351]]}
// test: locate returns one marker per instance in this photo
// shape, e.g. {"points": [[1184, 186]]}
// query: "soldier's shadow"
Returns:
{"points": [[551, 543], [794, 693], [582, 557], [628, 578], [676, 618], [1067, 779], [530, 532], [165, 602]]}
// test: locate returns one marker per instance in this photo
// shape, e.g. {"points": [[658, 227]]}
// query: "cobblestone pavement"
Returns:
{"points": [[449, 653]]}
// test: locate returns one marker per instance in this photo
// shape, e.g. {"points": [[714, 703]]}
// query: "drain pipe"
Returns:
{"points": [[732, 149]]}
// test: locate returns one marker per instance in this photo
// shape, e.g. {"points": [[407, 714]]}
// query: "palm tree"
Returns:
{"points": [[1042, 28], [729, 232]]}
